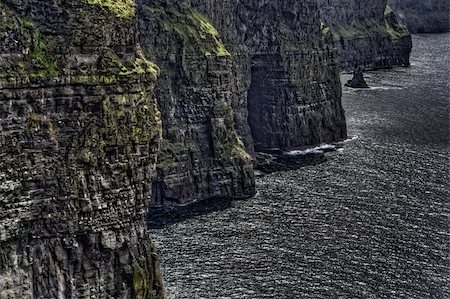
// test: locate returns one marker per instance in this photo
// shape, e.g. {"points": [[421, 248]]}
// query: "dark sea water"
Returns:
{"points": [[373, 221]]}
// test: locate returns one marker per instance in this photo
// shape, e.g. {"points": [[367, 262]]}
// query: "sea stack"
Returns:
{"points": [[358, 78]]}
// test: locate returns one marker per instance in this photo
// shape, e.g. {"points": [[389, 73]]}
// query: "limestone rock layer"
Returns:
{"points": [[367, 33], [79, 136]]}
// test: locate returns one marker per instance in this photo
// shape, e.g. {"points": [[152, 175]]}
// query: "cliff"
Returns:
{"points": [[426, 16], [85, 145], [367, 33], [294, 92], [237, 76], [202, 155], [80, 131]]}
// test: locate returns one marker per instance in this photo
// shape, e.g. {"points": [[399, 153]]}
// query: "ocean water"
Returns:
{"points": [[372, 221]]}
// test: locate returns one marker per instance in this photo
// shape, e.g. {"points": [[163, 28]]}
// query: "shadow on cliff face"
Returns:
{"points": [[160, 217]]}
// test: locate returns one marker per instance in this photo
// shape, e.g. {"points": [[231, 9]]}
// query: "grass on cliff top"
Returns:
{"points": [[195, 29], [121, 8], [370, 27], [388, 10], [395, 29]]}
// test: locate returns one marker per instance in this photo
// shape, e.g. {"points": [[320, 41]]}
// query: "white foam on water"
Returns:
{"points": [[259, 173], [350, 139], [321, 148], [385, 88], [304, 152]]}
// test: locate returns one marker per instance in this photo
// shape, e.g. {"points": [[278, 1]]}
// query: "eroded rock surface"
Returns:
{"points": [[79, 136], [358, 79], [237, 75], [367, 33], [202, 155], [294, 94]]}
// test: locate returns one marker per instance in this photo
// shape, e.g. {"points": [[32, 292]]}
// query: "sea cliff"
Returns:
{"points": [[237, 78], [79, 136], [367, 33]]}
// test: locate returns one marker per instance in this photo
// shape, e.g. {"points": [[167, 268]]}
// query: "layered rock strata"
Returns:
{"points": [[426, 16], [202, 155], [367, 33], [294, 98], [79, 135], [237, 75]]}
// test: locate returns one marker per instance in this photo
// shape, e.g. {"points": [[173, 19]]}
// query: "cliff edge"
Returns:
{"points": [[367, 33], [80, 134]]}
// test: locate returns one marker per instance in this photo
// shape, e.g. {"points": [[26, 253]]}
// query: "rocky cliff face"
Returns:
{"points": [[237, 75], [294, 95], [367, 33], [79, 135], [81, 129], [202, 155], [426, 16]]}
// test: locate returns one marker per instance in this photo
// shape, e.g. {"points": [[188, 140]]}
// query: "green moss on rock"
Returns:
{"points": [[170, 153], [44, 64], [146, 283], [395, 29], [7, 21], [121, 8], [192, 27], [367, 27], [228, 145]]}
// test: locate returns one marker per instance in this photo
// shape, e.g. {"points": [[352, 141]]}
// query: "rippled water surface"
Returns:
{"points": [[370, 222]]}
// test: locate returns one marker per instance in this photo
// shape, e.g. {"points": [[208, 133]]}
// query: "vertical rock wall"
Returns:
{"points": [[294, 97], [366, 33], [236, 75], [426, 16], [79, 135], [202, 156]]}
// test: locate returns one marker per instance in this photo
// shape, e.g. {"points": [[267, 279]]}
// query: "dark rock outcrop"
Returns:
{"points": [[358, 79], [367, 33], [425, 16], [236, 75], [79, 135]]}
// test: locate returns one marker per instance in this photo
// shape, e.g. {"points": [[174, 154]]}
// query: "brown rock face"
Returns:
{"points": [[79, 136], [366, 33]]}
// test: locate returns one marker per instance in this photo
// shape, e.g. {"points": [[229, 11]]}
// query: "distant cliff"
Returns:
{"points": [[235, 77], [425, 16], [367, 33], [78, 142]]}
